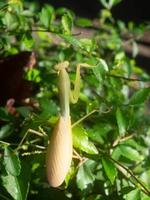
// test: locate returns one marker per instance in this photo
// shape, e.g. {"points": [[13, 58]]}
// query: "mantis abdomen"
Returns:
{"points": [[59, 153]]}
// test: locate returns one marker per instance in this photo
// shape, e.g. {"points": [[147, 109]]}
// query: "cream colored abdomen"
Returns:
{"points": [[59, 153]]}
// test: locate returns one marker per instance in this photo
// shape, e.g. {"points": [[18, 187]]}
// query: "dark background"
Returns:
{"points": [[128, 10]]}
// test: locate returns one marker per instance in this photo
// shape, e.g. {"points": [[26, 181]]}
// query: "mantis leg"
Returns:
{"points": [[74, 95]]}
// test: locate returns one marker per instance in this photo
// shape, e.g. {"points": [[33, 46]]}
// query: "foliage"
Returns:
{"points": [[111, 142]]}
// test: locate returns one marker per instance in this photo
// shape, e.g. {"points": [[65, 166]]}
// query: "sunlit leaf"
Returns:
{"points": [[130, 153], [67, 23], [47, 16], [140, 96], [81, 141], [83, 22], [11, 21], [109, 169], [17, 186], [85, 176], [100, 70], [99, 132], [121, 122], [11, 162], [71, 40], [5, 131], [134, 194], [135, 49]]}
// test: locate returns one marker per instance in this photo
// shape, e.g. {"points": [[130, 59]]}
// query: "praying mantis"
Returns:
{"points": [[60, 148]]}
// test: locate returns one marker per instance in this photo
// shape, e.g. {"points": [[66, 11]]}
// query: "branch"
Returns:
{"points": [[126, 78], [143, 188]]}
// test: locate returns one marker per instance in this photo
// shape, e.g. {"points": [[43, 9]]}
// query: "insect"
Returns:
{"points": [[59, 152]]}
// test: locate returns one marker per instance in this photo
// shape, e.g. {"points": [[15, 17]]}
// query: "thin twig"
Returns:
{"points": [[143, 188], [83, 118], [128, 79], [119, 140], [77, 155], [25, 135]]}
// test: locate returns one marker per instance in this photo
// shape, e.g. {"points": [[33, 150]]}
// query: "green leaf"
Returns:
{"points": [[81, 141], [24, 111], [144, 196], [109, 3], [17, 186], [135, 49], [145, 177], [71, 40], [105, 3], [99, 132], [27, 41], [11, 162], [85, 175], [134, 194], [87, 44], [11, 21], [33, 75], [5, 131], [83, 22], [110, 169], [114, 2], [121, 122], [140, 96], [4, 115], [47, 16], [100, 69], [67, 23], [130, 153], [48, 108]]}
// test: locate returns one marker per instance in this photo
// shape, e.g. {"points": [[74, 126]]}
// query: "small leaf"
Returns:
{"points": [[99, 132], [110, 169], [105, 3], [11, 184], [103, 64], [135, 49], [140, 96], [5, 131], [47, 16], [134, 194], [121, 122], [85, 175], [11, 21], [144, 196], [67, 23], [11, 162], [87, 44], [100, 69], [83, 22], [130, 153], [47, 107], [24, 111], [80, 141], [71, 40], [33, 75], [17, 186], [4, 115]]}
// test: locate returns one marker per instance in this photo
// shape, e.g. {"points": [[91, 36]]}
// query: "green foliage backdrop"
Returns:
{"points": [[112, 142]]}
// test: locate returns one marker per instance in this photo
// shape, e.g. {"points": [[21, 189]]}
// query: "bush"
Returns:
{"points": [[111, 138]]}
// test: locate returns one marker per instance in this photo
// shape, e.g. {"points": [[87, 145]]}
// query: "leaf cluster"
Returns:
{"points": [[111, 140]]}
